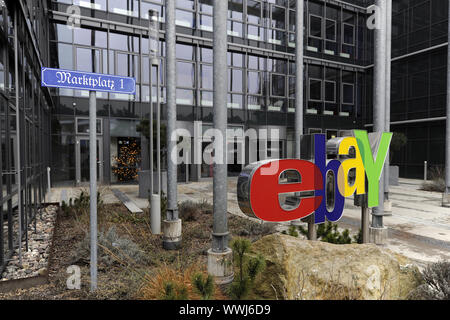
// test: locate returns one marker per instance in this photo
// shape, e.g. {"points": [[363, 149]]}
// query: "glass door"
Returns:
{"points": [[82, 160]]}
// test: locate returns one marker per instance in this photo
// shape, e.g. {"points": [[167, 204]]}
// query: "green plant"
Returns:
{"points": [[293, 232], [248, 268], [173, 292], [359, 237], [203, 285], [329, 233]]}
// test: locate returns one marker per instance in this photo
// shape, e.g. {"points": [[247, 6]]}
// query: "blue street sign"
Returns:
{"points": [[59, 78]]}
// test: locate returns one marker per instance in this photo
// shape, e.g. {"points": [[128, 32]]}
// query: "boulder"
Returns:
{"points": [[311, 270]]}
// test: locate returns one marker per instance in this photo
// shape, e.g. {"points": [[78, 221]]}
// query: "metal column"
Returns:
{"points": [[172, 224], [299, 77], [379, 99], [447, 135], [153, 44], [388, 89], [220, 47], [18, 160], [93, 184]]}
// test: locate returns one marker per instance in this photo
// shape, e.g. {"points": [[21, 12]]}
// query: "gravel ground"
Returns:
{"points": [[35, 259]]}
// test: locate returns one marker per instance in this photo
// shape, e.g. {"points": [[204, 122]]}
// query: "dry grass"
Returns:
{"points": [[153, 285]]}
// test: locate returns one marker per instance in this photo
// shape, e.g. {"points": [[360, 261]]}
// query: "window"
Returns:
{"points": [[185, 52], [83, 126], [2, 71], [348, 93], [349, 34], [86, 58], [278, 18], [330, 30], [254, 12], [65, 56], [205, 6], [95, 5], [206, 77], [146, 7], [315, 27], [124, 7], [235, 80], [185, 97], [127, 65], [278, 85], [330, 91], [254, 81], [186, 4], [90, 37], [235, 9], [315, 89], [185, 74]]}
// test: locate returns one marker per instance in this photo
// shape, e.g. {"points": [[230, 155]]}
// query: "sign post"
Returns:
{"points": [[93, 185], [58, 78]]}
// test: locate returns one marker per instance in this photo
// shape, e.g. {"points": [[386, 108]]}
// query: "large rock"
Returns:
{"points": [[300, 269]]}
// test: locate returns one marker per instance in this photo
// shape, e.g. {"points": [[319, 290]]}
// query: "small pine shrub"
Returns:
{"points": [[359, 237], [292, 232], [248, 268], [329, 233], [203, 285], [174, 292]]}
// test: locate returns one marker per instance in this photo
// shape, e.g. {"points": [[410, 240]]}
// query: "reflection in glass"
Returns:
{"points": [[235, 9], [278, 18], [235, 80], [206, 74], [315, 89], [315, 26], [253, 12], [185, 74], [349, 34], [278, 85], [124, 7], [88, 60], [254, 82]]}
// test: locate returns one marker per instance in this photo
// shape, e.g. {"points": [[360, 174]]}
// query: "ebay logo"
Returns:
{"points": [[261, 185]]}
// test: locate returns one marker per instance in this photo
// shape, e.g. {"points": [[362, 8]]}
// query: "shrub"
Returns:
{"points": [[173, 291], [248, 268], [436, 286], [329, 233], [189, 210], [166, 282], [437, 183], [203, 285], [251, 228], [112, 249], [359, 237]]}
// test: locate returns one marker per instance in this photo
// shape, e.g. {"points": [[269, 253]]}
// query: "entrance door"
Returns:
{"points": [[82, 160]]}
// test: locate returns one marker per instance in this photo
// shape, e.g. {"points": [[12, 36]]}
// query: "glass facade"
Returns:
{"points": [[112, 38], [419, 83], [261, 66], [29, 143]]}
